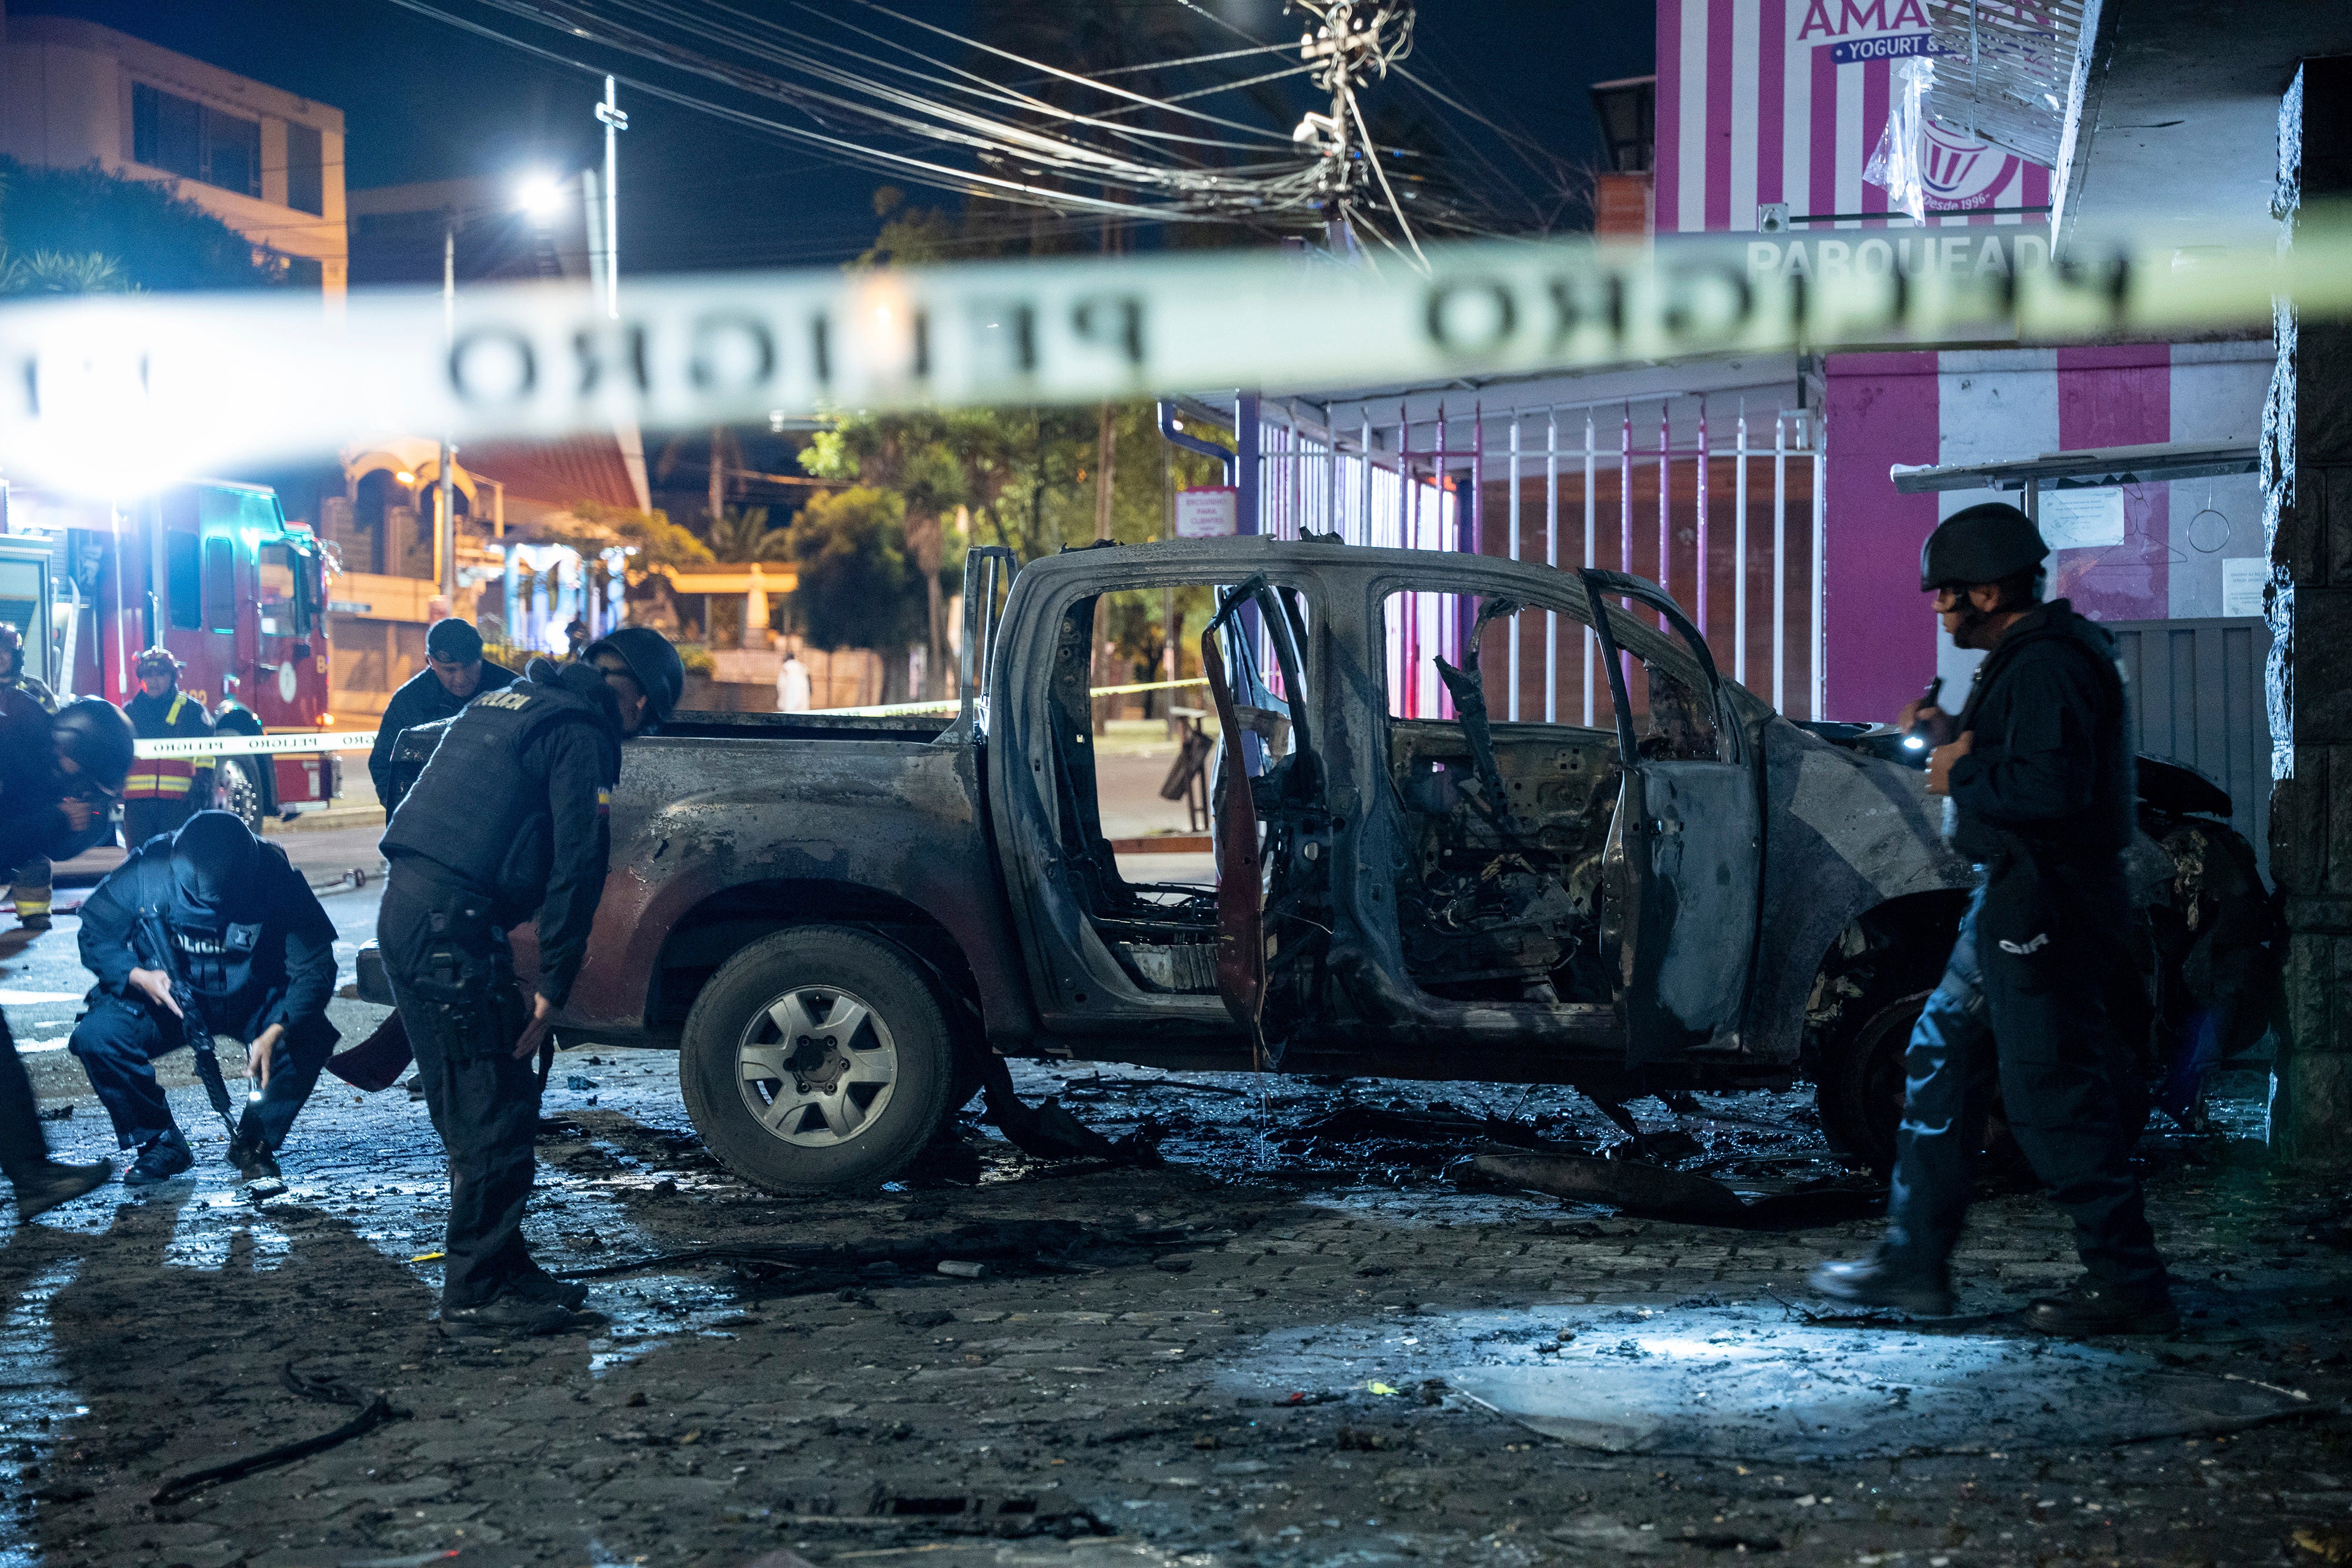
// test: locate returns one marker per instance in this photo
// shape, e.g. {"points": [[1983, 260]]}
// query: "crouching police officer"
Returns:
{"points": [[505, 822], [208, 931], [57, 777], [2039, 777]]}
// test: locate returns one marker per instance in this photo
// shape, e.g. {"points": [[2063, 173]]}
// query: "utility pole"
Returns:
{"points": [[718, 472], [445, 520], [609, 114]]}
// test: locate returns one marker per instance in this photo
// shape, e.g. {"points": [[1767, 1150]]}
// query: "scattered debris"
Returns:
{"points": [[1658, 1192], [1048, 1132], [374, 1412], [1033, 1246], [57, 1113]]}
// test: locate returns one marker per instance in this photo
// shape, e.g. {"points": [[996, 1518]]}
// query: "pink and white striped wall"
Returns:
{"points": [[1783, 101], [2168, 558]]}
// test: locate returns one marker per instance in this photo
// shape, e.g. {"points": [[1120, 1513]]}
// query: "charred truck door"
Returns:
{"points": [[1687, 847], [1119, 945]]}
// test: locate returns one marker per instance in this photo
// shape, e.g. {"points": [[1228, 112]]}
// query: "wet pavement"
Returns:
{"points": [[1304, 1340]]}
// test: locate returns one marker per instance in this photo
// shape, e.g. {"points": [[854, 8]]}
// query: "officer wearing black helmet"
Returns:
{"points": [[213, 927], [58, 780], [505, 824], [2038, 774]]}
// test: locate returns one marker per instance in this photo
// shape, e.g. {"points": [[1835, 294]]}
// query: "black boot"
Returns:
{"points": [[50, 1184], [536, 1284], [2091, 1307], [161, 1158], [253, 1158], [1886, 1280], [507, 1314]]}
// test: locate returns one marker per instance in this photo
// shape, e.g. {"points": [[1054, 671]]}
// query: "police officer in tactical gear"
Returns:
{"points": [[57, 777], [163, 791], [209, 931], [455, 673], [506, 823], [2038, 774], [21, 691]]}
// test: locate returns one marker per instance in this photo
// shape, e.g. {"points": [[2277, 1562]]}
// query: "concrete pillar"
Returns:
{"points": [[2307, 515]]}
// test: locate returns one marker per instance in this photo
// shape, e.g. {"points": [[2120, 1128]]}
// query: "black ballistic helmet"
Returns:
{"points": [[213, 860], [1982, 544], [97, 736], [660, 673]]}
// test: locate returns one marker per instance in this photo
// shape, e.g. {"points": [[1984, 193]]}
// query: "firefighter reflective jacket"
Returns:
{"points": [[178, 716]]}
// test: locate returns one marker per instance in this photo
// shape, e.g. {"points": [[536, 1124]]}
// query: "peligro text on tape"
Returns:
{"points": [[184, 384], [245, 745], [332, 740]]}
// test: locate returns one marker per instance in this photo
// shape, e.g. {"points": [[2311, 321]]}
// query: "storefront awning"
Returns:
{"points": [[2088, 470]]}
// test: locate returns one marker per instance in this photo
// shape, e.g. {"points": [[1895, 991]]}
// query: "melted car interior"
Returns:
{"points": [[1164, 934], [1502, 895]]}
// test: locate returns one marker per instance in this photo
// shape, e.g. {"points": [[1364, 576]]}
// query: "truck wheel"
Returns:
{"points": [[1859, 1095], [816, 1059], [238, 791]]}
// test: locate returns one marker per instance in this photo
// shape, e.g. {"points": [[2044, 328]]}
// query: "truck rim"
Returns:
{"points": [[816, 1066]]}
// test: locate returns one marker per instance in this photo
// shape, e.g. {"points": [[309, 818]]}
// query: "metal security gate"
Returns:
{"points": [[2197, 700], [1732, 528]]}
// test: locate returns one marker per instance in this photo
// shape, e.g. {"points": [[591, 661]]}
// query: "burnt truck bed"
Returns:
{"points": [[837, 918]]}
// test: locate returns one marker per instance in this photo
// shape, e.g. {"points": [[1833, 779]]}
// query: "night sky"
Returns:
{"points": [[423, 101]]}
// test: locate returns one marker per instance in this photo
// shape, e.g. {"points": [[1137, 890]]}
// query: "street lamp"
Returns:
{"points": [[541, 196]]}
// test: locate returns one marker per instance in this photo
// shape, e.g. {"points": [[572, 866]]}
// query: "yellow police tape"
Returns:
{"points": [[243, 745], [96, 386]]}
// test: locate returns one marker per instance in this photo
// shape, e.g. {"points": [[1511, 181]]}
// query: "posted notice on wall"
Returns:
{"points": [[1208, 512], [2081, 519], [2243, 578]]}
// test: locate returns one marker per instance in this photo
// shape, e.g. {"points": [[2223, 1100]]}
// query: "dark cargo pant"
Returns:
{"points": [[120, 1038], [2066, 1091], [23, 1148], [485, 1103]]}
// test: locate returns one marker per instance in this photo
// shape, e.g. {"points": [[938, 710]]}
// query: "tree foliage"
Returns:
{"points": [[653, 541], [87, 231], [857, 587], [742, 534]]}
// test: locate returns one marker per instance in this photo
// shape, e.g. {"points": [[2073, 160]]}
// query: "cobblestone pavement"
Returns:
{"points": [[1281, 1384]]}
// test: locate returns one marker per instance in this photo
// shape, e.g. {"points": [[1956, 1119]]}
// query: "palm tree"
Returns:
{"points": [[742, 534]]}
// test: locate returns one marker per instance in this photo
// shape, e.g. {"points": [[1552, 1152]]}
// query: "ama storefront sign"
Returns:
{"points": [[1763, 101]]}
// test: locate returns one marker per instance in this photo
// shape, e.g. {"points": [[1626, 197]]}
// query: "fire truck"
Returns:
{"points": [[212, 570]]}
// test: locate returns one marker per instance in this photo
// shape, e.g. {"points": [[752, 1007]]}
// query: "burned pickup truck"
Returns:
{"points": [[836, 918]]}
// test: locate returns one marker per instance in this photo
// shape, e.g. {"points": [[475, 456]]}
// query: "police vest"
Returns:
{"points": [[475, 810]]}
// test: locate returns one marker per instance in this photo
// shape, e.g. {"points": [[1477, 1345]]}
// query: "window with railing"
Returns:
{"points": [[194, 141]]}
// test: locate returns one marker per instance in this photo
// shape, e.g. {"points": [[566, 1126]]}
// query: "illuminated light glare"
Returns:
{"points": [[540, 195], [1913, 743], [405, 478]]}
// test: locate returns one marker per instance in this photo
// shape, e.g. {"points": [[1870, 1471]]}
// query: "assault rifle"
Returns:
{"points": [[154, 944]]}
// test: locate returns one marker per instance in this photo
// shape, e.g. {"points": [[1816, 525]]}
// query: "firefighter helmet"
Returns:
{"points": [[155, 660]]}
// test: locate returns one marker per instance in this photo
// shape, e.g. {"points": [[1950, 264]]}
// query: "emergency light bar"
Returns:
{"points": [[187, 383]]}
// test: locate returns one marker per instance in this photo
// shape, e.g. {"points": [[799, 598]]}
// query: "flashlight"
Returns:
{"points": [[1916, 740]]}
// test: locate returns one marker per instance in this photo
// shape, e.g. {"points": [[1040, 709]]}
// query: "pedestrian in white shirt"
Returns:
{"points": [[792, 685]]}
